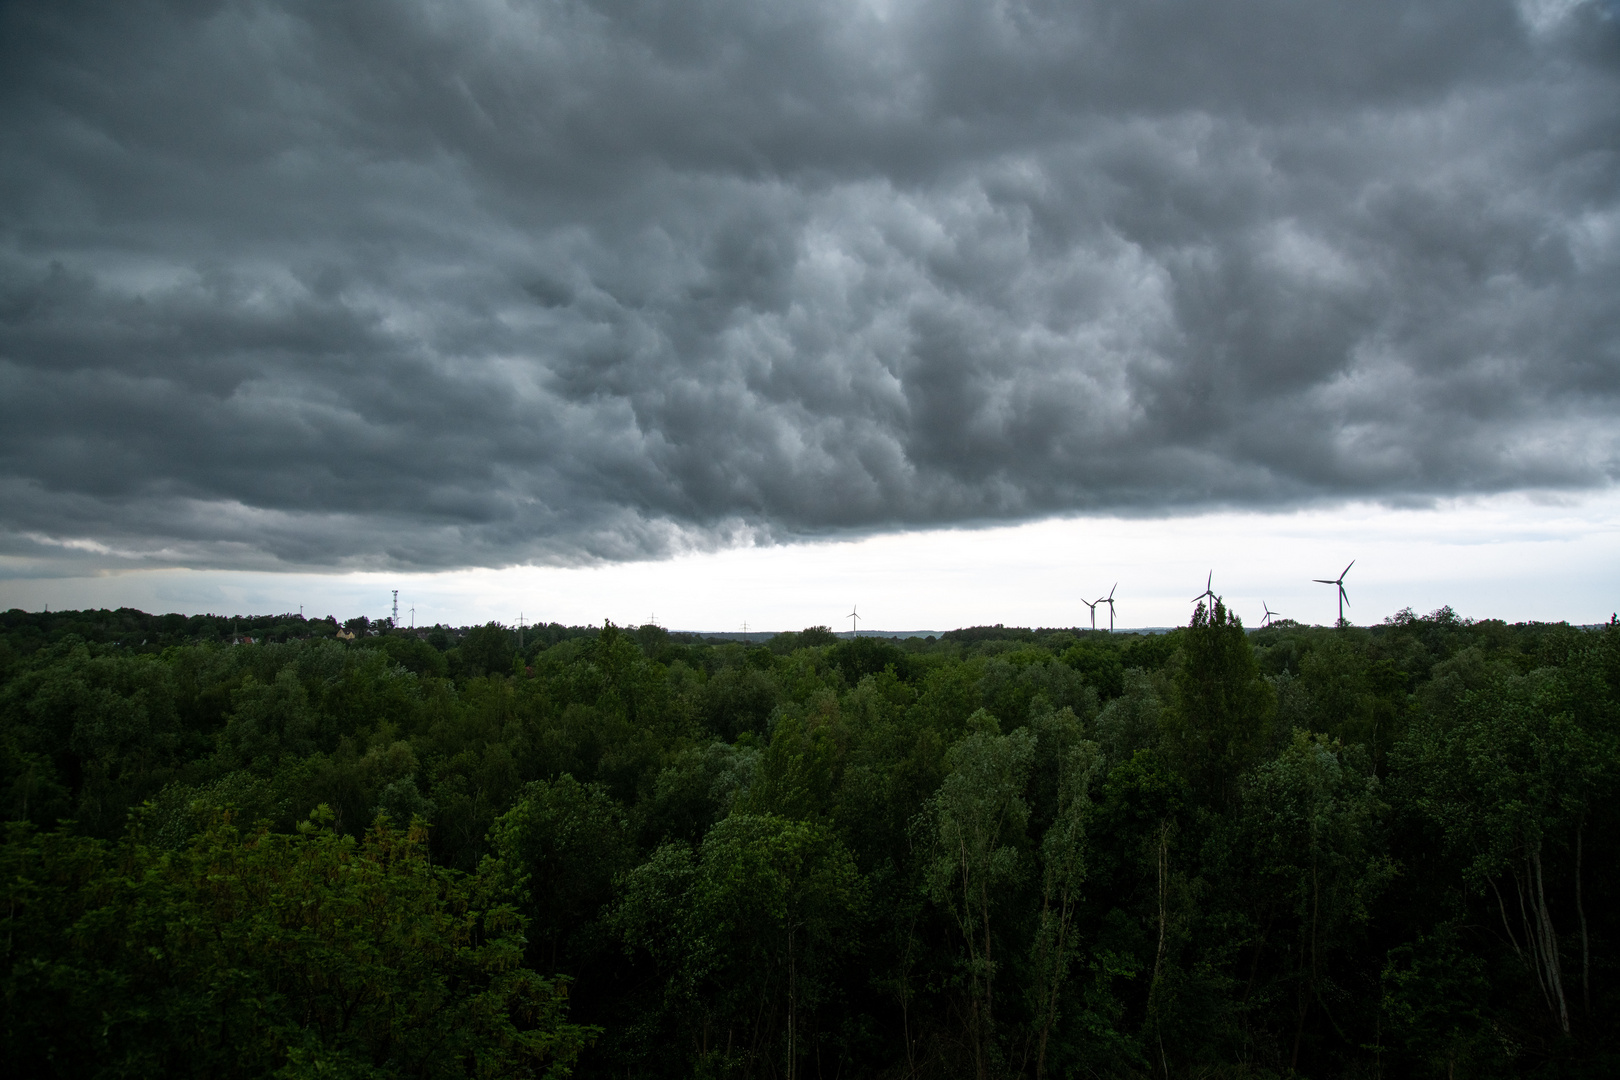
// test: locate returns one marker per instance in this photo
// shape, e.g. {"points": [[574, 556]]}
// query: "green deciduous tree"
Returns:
{"points": [[1312, 823], [1222, 705], [746, 933], [564, 843], [486, 650], [1435, 1004], [1063, 871], [252, 953], [1504, 773], [977, 820]]}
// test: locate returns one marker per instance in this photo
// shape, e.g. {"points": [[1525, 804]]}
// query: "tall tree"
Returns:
{"points": [[1063, 871], [1512, 771], [563, 842], [979, 815], [745, 934], [256, 953], [1312, 823], [1222, 705]]}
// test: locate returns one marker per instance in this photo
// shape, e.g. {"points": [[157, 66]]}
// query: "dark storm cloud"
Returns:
{"points": [[445, 284]]}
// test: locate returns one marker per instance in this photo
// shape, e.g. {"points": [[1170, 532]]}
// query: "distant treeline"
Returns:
{"points": [[28, 631], [999, 852]]}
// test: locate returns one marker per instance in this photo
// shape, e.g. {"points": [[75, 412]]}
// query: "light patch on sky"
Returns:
{"points": [[1514, 557]]}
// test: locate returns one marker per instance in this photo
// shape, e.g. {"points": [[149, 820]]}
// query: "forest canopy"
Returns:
{"points": [[278, 846]]}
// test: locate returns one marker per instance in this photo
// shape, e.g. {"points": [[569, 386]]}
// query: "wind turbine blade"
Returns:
{"points": [[1347, 569], [1323, 581], [1111, 591], [1344, 596]]}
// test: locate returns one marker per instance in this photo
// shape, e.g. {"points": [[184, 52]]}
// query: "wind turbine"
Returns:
{"points": [[1339, 581], [854, 621], [1092, 604], [1269, 615], [1109, 600], [1208, 593]]}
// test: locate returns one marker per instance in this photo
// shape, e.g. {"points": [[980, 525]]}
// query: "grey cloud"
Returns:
{"points": [[382, 284]]}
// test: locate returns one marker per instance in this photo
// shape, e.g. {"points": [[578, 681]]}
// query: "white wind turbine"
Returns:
{"points": [[1339, 581], [1208, 592]]}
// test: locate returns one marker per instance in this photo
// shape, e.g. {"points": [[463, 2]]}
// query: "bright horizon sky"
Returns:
{"points": [[1513, 557]]}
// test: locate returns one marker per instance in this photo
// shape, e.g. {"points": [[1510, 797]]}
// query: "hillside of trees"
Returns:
{"points": [[605, 852]]}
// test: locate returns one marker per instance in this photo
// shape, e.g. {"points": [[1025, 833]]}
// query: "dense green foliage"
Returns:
{"points": [[1298, 850]]}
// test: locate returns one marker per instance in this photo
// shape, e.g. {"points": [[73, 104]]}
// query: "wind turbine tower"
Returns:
{"points": [[1269, 615], [854, 621], [1339, 581], [1092, 604], [1109, 600], [394, 619]]}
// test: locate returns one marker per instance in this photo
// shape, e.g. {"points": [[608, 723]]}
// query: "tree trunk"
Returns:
{"points": [[1316, 905], [988, 1029], [1532, 940], [978, 966], [793, 1011], [1580, 909], [905, 998], [1549, 945], [1302, 1011], [1308, 972], [1059, 963], [1501, 906], [1158, 958]]}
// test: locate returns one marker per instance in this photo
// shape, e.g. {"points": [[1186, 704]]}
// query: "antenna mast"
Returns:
{"points": [[395, 619]]}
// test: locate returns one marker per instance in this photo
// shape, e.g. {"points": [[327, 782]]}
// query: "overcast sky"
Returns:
{"points": [[427, 289]]}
